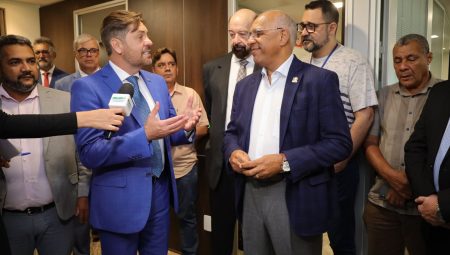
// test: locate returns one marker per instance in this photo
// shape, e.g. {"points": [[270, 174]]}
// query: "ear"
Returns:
{"points": [[284, 39], [332, 28], [429, 57], [117, 45]]}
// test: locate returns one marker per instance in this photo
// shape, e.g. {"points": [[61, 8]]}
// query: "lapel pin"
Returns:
{"points": [[295, 79]]}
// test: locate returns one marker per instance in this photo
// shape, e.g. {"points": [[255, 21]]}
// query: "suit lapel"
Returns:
{"points": [[293, 82], [156, 94], [224, 70], [250, 91], [45, 105]]}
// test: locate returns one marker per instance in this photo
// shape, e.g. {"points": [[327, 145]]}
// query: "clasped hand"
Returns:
{"points": [[156, 128], [261, 168]]}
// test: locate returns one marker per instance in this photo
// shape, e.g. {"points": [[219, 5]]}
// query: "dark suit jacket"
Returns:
{"points": [[121, 185], [28, 126], [313, 135], [57, 74], [423, 145], [215, 81]]}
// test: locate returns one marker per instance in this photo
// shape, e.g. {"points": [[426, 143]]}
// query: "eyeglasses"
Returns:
{"points": [[257, 33], [83, 51], [165, 65], [43, 52], [242, 34], [310, 27]]}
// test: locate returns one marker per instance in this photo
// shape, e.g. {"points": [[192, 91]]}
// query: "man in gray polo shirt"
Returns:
{"points": [[391, 217]]}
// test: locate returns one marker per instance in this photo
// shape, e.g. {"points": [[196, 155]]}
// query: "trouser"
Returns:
{"points": [[153, 238], [187, 191], [42, 231], [390, 232], [265, 224], [223, 215], [437, 239], [342, 231]]}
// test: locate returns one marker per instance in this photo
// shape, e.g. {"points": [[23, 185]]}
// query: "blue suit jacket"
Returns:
{"points": [[313, 135], [121, 184], [66, 82]]}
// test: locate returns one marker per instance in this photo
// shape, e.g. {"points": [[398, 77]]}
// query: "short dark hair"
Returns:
{"points": [[161, 51], [45, 40], [329, 11], [420, 39], [6, 40], [116, 25]]}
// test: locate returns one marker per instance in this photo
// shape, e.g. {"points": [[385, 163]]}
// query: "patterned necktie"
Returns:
{"points": [[242, 70], [143, 112], [443, 150], [46, 81]]}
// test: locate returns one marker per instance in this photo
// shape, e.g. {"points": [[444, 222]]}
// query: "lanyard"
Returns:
{"points": [[328, 57]]}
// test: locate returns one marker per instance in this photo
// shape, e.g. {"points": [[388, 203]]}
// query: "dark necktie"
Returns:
{"points": [[242, 70], [143, 112]]}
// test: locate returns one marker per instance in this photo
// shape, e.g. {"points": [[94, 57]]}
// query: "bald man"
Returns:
{"points": [[219, 79], [287, 130]]}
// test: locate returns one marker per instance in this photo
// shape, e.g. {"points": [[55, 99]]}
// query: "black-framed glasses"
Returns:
{"points": [[83, 51], [310, 27], [257, 33]]}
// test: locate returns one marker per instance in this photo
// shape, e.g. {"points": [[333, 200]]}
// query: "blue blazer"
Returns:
{"points": [[66, 82], [313, 135], [121, 184]]}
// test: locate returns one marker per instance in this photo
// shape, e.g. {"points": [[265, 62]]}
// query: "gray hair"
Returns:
{"points": [[420, 39], [84, 38], [45, 40]]}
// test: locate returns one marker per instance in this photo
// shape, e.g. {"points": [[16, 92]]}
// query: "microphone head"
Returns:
{"points": [[126, 88]]}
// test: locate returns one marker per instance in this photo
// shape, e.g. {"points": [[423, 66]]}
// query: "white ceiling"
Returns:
{"points": [[39, 2]]}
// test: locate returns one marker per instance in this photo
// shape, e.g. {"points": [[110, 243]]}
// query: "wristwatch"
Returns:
{"points": [[438, 213], [285, 166]]}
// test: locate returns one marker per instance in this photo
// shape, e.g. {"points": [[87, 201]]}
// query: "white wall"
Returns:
{"points": [[22, 19]]}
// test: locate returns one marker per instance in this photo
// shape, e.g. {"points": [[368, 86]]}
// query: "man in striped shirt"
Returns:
{"points": [[356, 84]]}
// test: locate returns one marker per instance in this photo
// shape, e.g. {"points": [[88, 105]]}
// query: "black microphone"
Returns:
{"points": [[122, 99]]}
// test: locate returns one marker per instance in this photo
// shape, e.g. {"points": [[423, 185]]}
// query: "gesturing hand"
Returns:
{"points": [[156, 128], [192, 114]]}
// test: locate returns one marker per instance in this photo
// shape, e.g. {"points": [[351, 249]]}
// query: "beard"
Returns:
{"points": [[19, 86], [240, 51], [311, 45]]}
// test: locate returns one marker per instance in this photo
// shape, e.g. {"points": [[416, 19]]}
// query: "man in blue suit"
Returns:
{"points": [[132, 181], [287, 129]]}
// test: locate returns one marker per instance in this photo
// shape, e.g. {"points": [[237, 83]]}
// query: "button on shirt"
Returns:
{"points": [[398, 112], [265, 125], [26, 179]]}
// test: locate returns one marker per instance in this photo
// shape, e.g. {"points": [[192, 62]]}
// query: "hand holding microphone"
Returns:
{"points": [[123, 100]]}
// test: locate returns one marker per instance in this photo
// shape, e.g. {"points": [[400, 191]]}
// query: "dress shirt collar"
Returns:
{"points": [[283, 69], [120, 72], [3, 94], [237, 60], [50, 71], [403, 92]]}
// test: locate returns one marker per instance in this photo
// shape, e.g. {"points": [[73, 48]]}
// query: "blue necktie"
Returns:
{"points": [[443, 148], [143, 112]]}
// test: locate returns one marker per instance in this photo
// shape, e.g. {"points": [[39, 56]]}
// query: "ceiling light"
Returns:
{"points": [[339, 4], [434, 36]]}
